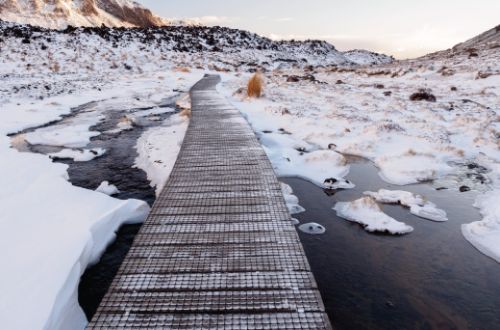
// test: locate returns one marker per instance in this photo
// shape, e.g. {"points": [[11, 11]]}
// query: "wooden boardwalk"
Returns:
{"points": [[218, 250]]}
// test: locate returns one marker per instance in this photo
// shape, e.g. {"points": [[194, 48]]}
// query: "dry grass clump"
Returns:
{"points": [[55, 67], [255, 86], [183, 69], [184, 103]]}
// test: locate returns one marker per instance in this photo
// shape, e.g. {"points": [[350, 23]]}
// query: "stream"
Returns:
{"points": [[115, 166], [431, 278]]}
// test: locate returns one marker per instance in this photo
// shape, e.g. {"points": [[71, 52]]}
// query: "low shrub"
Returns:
{"points": [[255, 85]]}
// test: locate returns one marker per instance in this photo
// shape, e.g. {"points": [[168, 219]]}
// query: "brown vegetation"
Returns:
{"points": [[255, 85], [183, 69]]}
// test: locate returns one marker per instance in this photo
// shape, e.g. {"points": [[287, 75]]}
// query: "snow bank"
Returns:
{"points": [[51, 231], [417, 204], [292, 202], [485, 234], [367, 213], [158, 148], [402, 170], [290, 155]]}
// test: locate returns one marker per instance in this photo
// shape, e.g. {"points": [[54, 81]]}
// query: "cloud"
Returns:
{"points": [[284, 19], [210, 20]]}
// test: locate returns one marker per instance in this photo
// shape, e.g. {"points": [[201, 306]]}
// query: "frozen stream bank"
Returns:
{"points": [[116, 131]]}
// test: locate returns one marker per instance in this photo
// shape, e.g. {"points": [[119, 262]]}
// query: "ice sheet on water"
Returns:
{"points": [[417, 204], [367, 213], [312, 228]]}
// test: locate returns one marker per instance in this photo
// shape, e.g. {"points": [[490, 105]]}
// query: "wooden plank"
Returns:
{"points": [[218, 250]]}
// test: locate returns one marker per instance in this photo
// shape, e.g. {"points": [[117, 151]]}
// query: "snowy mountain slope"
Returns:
{"points": [[482, 45], [488, 39], [61, 13], [248, 49]]}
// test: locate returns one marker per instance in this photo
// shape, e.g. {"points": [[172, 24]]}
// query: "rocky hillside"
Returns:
{"points": [[240, 48], [58, 14], [481, 46], [489, 39]]}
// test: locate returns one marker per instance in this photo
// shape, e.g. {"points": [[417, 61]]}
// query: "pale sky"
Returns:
{"points": [[403, 28]]}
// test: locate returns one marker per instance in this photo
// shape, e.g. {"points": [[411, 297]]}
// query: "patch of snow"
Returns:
{"points": [[367, 213], [292, 202], [312, 228], [108, 189], [158, 148], [334, 183], [417, 204], [77, 136], [51, 232]]}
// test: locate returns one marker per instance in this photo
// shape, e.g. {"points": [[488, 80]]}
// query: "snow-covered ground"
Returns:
{"points": [[158, 149], [52, 230], [308, 120]]}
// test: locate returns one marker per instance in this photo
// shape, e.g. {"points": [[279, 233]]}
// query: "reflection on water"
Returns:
{"points": [[429, 279]]}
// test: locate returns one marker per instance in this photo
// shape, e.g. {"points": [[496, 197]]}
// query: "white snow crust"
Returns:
{"points": [[367, 213]]}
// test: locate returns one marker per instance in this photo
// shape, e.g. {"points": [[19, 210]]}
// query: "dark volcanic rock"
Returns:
{"points": [[423, 95]]}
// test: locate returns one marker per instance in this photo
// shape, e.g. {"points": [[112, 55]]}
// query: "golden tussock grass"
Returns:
{"points": [[183, 69], [255, 86], [185, 113]]}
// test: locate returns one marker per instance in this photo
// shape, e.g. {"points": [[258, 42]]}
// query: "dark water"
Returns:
{"points": [[431, 278]]}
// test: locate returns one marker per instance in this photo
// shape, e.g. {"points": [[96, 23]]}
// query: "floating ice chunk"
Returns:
{"points": [[107, 189], [417, 204], [405, 198], [292, 202], [334, 183], [366, 212], [78, 155], [312, 228], [429, 211], [295, 208]]}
